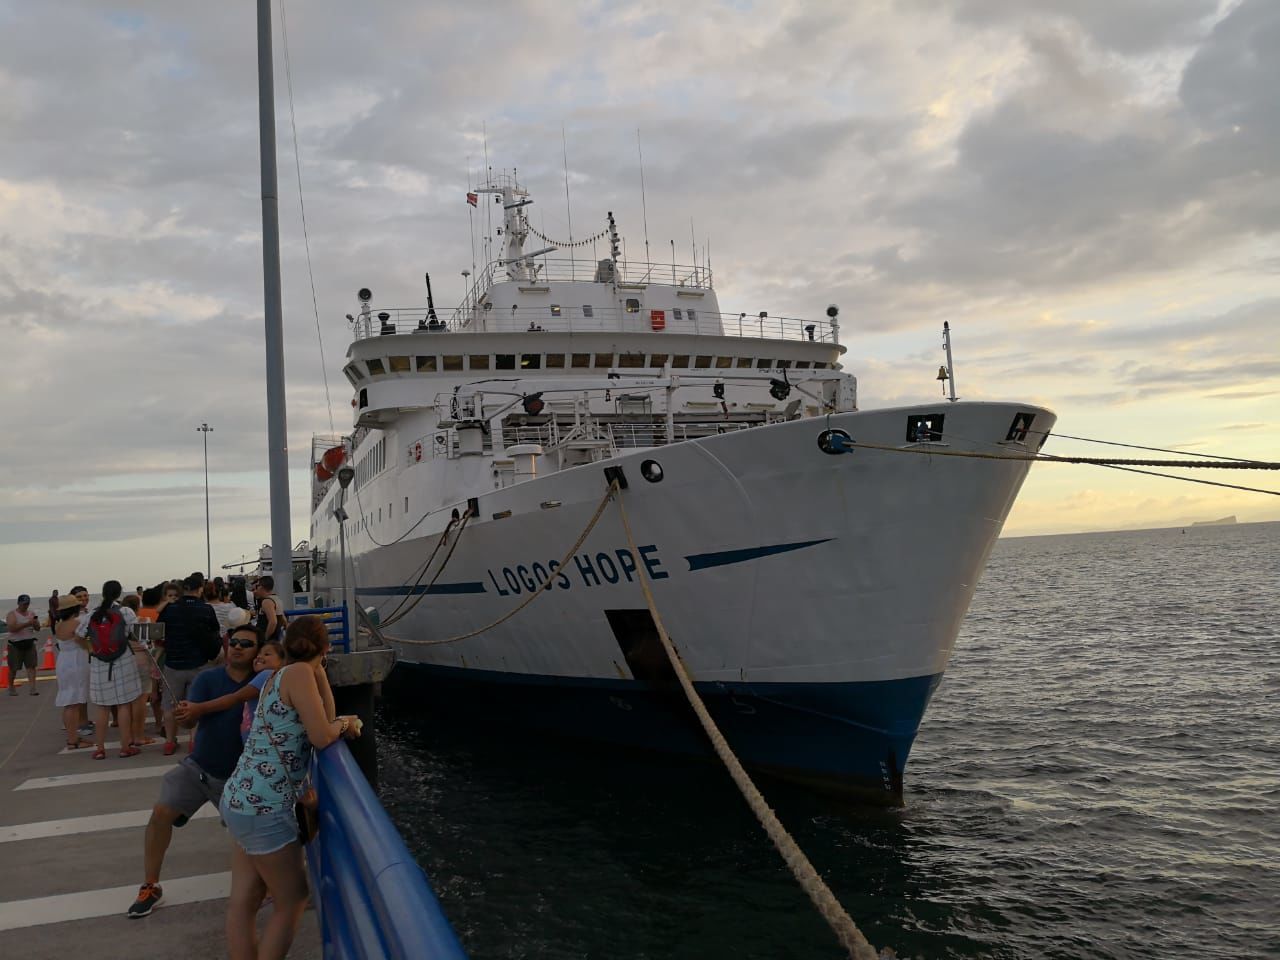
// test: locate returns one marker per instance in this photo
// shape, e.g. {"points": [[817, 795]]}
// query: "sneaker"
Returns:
{"points": [[85, 732], [170, 748], [149, 894]]}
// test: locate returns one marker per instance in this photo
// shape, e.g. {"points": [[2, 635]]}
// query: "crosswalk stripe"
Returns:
{"points": [[73, 825], [97, 776], [109, 902]]}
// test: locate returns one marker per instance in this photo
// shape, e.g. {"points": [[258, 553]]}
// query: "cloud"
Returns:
{"points": [[1134, 27]]}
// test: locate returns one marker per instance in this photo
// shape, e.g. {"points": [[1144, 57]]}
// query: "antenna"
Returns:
{"points": [[488, 207], [693, 240], [643, 206], [568, 210], [471, 219]]}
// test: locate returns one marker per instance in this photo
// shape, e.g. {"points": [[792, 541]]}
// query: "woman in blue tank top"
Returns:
{"points": [[295, 714]]}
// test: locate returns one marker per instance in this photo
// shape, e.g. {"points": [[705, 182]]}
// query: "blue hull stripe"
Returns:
{"points": [[474, 586], [852, 735], [722, 558]]}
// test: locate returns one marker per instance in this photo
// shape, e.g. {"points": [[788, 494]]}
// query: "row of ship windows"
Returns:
{"points": [[372, 463], [632, 306], [558, 361], [362, 523]]}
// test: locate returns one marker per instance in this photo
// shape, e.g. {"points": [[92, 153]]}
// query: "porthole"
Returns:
{"points": [[651, 470]]}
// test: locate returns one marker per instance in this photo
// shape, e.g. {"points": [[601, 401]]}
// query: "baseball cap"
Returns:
{"points": [[24, 598]]}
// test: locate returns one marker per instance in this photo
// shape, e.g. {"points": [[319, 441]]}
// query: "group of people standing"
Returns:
{"points": [[103, 660], [254, 690]]}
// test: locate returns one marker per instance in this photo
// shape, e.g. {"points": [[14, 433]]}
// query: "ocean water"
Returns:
{"points": [[1097, 777]]}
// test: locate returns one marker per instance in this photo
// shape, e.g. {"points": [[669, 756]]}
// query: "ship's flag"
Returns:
{"points": [[473, 199]]}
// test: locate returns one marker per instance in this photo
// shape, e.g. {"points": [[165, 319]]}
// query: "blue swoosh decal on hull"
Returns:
{"points": [[701, 561], [474, 586]]}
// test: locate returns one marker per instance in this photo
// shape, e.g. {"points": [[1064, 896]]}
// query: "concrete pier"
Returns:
{"points": [[71, 839]]}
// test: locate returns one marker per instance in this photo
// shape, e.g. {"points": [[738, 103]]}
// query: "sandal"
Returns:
{"points": [[99, 754], [144, 742], [130, 752], [77, 744]]}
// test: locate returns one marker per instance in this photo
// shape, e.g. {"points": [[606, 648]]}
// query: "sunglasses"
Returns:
{"points": [[243, 644]]}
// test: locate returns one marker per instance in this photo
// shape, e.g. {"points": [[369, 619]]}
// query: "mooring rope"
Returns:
{"points": [[1110, 462], [1054, 458], [806, 875], [543, 588], [396, 613]]}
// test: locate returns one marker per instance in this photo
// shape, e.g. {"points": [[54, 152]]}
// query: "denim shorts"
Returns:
{"points": [[260, 833]]}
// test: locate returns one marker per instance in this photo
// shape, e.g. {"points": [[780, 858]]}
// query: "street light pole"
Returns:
{"points": [[205, 430]]}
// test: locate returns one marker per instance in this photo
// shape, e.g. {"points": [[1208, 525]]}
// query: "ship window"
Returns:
{"points": [[530, 361], [399, 364], [633, 305], [693, 316], [604, 361], [631, 360], [657, 360], [702, 363], [581, 360], [819, 365], [376, 367], [353, 373], [802, 364], [1020, 427], [426, 364], [763, 364], [924, 428], [743, 363], [588, 310], [505, 361], [677, 313], [406, 506], [784, 364], [680, 360], [723, 363], [452, 362], [478, 361], [364, 398], [555, 361], [555, 309]]}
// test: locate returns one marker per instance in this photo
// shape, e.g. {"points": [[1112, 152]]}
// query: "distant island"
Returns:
{"points": [[1225, 521]]}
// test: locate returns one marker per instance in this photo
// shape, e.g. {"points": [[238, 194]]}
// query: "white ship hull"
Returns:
{"points": [[815, 598]]}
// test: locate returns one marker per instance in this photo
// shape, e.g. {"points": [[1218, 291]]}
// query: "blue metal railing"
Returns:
{"points": [[373, 900], [335, 618]]}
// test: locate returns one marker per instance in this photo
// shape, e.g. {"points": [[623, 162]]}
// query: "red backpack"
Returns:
{"points": [[108, 636]]}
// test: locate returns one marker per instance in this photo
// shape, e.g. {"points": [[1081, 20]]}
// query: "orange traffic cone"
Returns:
{"points": [[49, 662], [4, 675]]}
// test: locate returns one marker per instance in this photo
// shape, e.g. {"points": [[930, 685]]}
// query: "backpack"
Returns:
{"points": [[108, 637]]}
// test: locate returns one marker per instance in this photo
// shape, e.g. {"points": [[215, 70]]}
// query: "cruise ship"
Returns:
{"points": [[812, 561]]}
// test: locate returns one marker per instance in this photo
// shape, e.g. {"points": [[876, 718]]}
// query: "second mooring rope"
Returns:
{"points": [[806, 875], [533, 596]]}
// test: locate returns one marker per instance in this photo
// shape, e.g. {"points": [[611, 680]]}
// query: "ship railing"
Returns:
{"points": [[600, 270], [602, 319], [625, 436]]}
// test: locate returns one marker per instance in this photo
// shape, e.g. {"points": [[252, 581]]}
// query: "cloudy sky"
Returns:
{"points": [[1088, 190]]}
